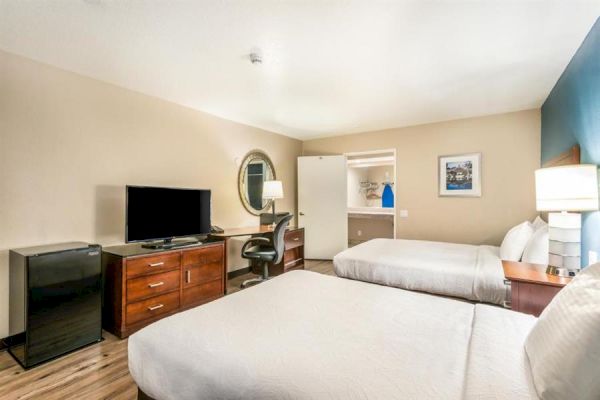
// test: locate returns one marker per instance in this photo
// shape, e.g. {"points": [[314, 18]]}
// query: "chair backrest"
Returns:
{"points": [[278, 237]]}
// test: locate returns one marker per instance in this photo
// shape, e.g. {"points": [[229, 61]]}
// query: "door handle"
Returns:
{"points": [[301, 213], [188, 276], [157, 284], [156, 307]]}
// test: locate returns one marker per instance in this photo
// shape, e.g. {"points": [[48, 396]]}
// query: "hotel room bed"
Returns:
{"points": [[304, 335], [449, 269]]}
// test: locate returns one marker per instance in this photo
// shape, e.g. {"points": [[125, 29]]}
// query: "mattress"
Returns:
{"points": [[458, 270], [304, 335]]}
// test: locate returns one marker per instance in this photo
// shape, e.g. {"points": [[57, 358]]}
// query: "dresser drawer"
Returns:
{"points": [[199, 294], [152, 285], [294, 239], [152, 264], [213, 254], [198, 274], [152, 307]]}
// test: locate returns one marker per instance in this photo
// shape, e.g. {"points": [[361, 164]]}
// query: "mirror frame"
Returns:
{"points": [[248, 158]]}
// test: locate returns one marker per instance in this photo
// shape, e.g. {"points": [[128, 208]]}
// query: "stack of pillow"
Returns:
{"points": [[563, 347], [527, 242]]}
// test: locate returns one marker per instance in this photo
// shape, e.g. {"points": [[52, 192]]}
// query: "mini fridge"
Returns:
{"points": [[55, 300]]}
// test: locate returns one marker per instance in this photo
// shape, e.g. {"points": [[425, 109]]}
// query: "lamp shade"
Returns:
{"points": [[272, 190], [567, 188]]}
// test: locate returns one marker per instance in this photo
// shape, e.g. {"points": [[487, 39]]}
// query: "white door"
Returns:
{"points": [[322, 205]]}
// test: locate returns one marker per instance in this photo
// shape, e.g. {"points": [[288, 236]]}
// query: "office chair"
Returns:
{"points": [[265, 250]]}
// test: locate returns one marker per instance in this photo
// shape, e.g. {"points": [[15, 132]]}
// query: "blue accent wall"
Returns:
{"points": [[571, 115]]}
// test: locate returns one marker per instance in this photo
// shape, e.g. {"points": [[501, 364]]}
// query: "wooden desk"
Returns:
{"points": [[531, 288], [293, 257]]}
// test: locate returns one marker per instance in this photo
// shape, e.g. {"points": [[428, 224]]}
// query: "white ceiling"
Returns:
{"points": [[330, 67]]}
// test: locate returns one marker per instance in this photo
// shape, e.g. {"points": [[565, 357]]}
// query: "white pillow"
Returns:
{"points": [[538, 223], [563, 347], [515, 241], [536, 250]]}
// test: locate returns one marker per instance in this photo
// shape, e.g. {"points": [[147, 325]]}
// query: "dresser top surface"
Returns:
{"points": [[136, 249]]}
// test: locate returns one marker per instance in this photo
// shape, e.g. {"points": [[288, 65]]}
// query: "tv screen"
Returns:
{"points": [[155, 213]]}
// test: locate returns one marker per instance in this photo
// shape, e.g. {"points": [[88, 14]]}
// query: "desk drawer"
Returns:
{"points": [[213, 254], [198, 274], [152, 264], [152, 307], [294, 239], [152, 285]]}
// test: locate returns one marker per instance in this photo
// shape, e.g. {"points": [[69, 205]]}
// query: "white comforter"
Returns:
{"points": [[449, 269], [308, 336]]}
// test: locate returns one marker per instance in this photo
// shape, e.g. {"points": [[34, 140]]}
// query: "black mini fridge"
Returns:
{"points": [[55, 300]]}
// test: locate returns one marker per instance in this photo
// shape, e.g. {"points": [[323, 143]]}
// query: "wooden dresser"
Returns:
{"points": [[145, 285]]}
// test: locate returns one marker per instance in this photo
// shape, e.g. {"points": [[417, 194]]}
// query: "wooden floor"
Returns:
{"points": [[95, 372]]}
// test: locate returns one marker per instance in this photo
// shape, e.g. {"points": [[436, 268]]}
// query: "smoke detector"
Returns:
{"points": [[255, 58]]}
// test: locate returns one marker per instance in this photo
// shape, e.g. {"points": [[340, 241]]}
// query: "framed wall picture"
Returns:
{"points": [[460, 175]]}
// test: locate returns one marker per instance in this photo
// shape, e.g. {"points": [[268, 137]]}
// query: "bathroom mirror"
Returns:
{"points": [[255, 169]]}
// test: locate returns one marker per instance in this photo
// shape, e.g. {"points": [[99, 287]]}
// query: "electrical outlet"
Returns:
{"points": [[592, 257], [403, 213], [359, 232]]}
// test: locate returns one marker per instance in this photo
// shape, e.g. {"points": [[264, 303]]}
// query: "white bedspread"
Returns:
{"points": [[449, 269], [304, 335], [498, 368]]}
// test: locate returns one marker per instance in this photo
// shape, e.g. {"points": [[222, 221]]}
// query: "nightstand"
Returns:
{"points": [[531, 288]]}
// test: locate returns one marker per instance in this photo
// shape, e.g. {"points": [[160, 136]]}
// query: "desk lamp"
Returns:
{"points": [[272, 190]]}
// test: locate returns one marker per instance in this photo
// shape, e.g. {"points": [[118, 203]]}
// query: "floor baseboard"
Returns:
{"points": [[236, 273], [3, 345]]}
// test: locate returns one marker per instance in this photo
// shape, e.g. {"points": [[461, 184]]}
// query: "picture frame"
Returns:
{"points": [[459, 175]]}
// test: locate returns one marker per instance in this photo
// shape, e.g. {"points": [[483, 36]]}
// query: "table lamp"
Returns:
{"points": [[272, 190], [566, 189]]}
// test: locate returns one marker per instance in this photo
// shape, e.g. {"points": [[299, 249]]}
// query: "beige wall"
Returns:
{"points": [[69, 144], [510, 147], [370, 228]]}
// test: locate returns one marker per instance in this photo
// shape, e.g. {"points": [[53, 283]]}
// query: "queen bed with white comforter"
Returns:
{"points": [[309, 336], [458, 270]]}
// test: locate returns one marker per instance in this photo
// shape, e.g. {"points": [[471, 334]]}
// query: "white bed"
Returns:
{"points": [[449, 269], [304, 335]]}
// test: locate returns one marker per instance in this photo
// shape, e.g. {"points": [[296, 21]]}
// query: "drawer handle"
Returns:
{"points": [[158, 264], [157, 284], [296, 239], [188, 276], [156, 307]]}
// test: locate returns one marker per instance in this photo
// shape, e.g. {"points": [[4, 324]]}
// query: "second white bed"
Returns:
{"points": [[458, 270]]}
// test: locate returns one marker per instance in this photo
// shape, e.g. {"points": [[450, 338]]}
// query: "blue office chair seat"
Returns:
{"points": [[265, 250]]}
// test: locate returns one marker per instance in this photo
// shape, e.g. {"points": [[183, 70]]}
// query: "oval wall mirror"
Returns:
{"points": [[255, 169]]}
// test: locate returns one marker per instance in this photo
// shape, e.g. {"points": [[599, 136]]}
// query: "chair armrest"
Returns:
{"points": [[253, 240]]}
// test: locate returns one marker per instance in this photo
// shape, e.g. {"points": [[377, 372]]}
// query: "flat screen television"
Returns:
{"points": [[156, 213]]}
